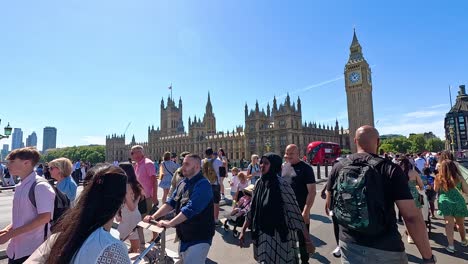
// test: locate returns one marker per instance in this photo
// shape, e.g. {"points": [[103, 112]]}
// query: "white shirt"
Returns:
{"points": [[234, 182], [99, 247], [420, 163], [23, 212]]}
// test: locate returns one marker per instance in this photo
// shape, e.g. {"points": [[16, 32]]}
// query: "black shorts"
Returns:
{"points": [[216, 193], [222, 172]]}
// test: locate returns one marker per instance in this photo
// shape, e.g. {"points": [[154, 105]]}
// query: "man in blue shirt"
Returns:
{"points": [[194, 222]]}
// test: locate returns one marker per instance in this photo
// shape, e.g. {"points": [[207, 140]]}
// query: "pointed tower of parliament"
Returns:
{"points": [[358, 84]]}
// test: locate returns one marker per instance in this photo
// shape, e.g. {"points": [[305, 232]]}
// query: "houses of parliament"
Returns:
{"points": [[263, 131]]}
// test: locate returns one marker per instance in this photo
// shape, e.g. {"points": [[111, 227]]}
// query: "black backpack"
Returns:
{"points": [[358, 197], [61, 202]]}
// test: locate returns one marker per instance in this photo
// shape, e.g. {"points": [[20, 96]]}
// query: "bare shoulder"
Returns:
{"points": [[413, 174]]}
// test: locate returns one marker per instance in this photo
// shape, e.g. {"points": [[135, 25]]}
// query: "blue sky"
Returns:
{"points": [[90, 68]]}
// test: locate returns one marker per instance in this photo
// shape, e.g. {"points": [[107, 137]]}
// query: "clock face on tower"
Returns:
{"points": [[354, 77]]}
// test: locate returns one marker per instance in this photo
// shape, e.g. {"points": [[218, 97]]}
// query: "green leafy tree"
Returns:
{"points": [[435, 145], [418, 143], [400, 144], [387, 147], [93, 154], [345, 151]]}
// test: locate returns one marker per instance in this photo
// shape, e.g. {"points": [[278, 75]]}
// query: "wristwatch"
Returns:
{"points": [[433, 259]]}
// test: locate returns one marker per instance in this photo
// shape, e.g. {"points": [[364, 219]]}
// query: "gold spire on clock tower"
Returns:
{"points": [[358, 84]]}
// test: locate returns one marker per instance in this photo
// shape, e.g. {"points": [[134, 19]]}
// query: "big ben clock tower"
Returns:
{"points": [[358, 83]]}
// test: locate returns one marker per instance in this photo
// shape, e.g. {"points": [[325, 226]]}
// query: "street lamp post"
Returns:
{"points": [[268, 145], [7, 131], [452, 143]]}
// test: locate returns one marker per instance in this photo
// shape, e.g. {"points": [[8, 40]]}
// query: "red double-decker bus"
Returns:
{"points": [[319, 152]]}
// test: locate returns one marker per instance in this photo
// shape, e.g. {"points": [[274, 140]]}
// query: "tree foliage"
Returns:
{"points": [[418, 143], [435, 144], [345, 151], [413, 144], [93, 153]]}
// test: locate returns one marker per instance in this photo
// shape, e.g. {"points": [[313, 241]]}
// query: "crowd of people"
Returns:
{"points": [[273, 197]]}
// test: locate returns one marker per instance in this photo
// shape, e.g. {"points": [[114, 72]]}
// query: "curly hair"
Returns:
{"points": [[448, 176]]}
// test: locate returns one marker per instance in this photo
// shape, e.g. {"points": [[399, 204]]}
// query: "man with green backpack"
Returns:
{"points": [[362, 191]]}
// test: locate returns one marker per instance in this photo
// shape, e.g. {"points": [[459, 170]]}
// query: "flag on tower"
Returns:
{"points": [[170, 87]]}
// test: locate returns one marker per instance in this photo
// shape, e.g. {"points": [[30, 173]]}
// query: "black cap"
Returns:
{"points": [[183, 154], [209, 151]]}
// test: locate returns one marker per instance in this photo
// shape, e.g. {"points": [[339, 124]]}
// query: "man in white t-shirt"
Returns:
{"points": [[420, 162]]}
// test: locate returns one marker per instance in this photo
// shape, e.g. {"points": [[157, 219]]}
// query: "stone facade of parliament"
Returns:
{"points": [[272, 130]]}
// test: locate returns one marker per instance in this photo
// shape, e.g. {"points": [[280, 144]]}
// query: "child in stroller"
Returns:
{"points": [[237, 216]]}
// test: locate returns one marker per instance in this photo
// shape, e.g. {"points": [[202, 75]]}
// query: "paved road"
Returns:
{"points": [[225, 247]]}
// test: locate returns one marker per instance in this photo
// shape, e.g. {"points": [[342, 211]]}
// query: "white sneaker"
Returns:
{"points": [[450, 249], [337, 252]]}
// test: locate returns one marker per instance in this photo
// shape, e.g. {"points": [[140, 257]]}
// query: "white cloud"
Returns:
{"points": [[309, 87], [405, 128], [439, 106], [94, 140], [426, 119], [423, 113]]}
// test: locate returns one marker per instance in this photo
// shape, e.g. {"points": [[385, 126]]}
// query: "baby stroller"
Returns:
{"points": [[238, 214]]}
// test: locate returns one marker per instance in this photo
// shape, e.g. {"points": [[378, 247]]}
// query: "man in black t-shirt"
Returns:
{"points": [[387, 247], [302, 182]]}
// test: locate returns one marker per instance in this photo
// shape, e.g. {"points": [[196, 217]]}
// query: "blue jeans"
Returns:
{"points": [[356, 254], [195, 254]]}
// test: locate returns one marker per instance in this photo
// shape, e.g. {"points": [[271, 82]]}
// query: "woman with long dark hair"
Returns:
{"points": [[83, 235], [129, 215], [276, 221]]}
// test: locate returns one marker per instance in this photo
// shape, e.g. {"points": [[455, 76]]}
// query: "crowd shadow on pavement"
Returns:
{"points": [[320, 218], [229, 238], [413, 259], [459, 254], [317, 241], [319, 258], [438, 224], [441, 240], [209, 261]]}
